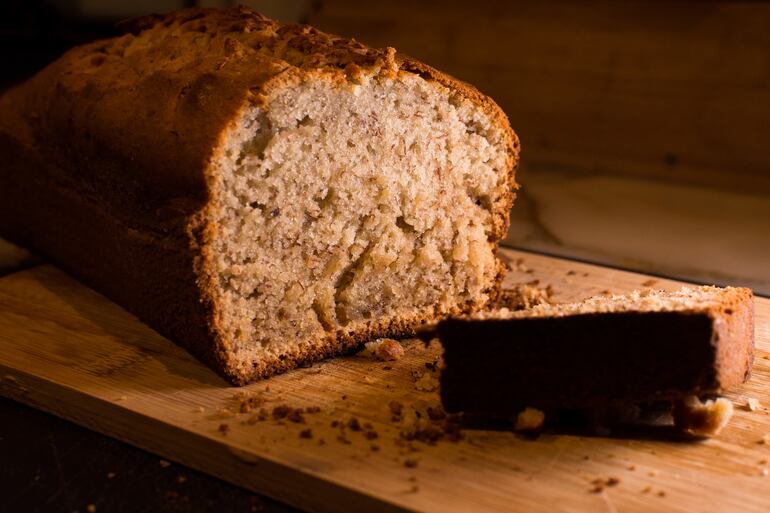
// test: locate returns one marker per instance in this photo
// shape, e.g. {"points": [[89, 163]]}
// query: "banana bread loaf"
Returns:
{"points": [[262, 194], [624, 349]]}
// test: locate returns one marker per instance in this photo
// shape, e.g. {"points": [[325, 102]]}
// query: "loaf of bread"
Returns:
{"points": [[265, 195], [625, 349]]}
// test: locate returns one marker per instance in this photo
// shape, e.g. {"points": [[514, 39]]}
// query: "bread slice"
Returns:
{"points": [[623, 349], [263, 194]]}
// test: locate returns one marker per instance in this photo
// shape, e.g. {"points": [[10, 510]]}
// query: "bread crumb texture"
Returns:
{"points": [[702, 418]]}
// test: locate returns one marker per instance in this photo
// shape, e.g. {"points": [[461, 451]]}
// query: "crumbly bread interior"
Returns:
{"points": [[344, 207], [701, 298]]}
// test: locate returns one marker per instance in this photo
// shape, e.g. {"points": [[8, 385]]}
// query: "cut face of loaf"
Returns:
{"points": [[265, 195], [604, 351], [343, 210]]}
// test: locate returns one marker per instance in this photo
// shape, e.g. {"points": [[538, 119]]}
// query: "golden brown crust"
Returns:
{"points": [[134, 123], [733, 338]]}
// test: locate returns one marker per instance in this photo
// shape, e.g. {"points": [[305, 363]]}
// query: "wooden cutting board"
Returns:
{"points": [[70, 351]]}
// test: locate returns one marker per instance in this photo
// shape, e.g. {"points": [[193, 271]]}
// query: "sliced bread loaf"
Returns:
{"points": [[623, 349], [263, 194]]}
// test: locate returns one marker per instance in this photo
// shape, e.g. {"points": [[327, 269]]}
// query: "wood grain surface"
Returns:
{"points": [[70, 351]]}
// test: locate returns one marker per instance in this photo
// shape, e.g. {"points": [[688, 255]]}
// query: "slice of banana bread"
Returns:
{"points": [[625, 349], [262, 194]]}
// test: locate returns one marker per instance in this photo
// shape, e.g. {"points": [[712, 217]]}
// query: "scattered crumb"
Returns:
{"points": [[631, 467], [763, 461], [353, 424], [571, 273], [647, 489], [649, 283], [223, 428], [181, 479], [225, 413], [661, 493], [524, 295], [374, 447], [306, 433], [335, 423], [531, 419], [653, 473], [296, 417], [410, 463], [752, 404], [164, 463], [702, 418], [281, 411], [414, 489], [121, 398], [764, 472], [369, 380], [518, 265], [396, 408], [371, 435], [199, 409], [599, 484], [384, 349], [765, 439]]}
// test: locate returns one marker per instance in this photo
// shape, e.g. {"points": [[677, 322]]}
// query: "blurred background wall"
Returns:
{"points": [[645, 126]]}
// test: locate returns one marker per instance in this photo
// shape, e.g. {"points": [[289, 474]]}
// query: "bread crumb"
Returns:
{"points": [[661, 493], [225, 413], [181, 479], [371, 435], [765, 440], [752, 404], [702, 418], [281, 411], [164, 463], [647, 489], [649, 283], [199, 409], [764, 472], [531, 419], [306, 433], [653, 473], [374, 447], [353, 424], [631, 467], [410, 463], [223, 429], [384, 349], [295, 416], [121, 398]]}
